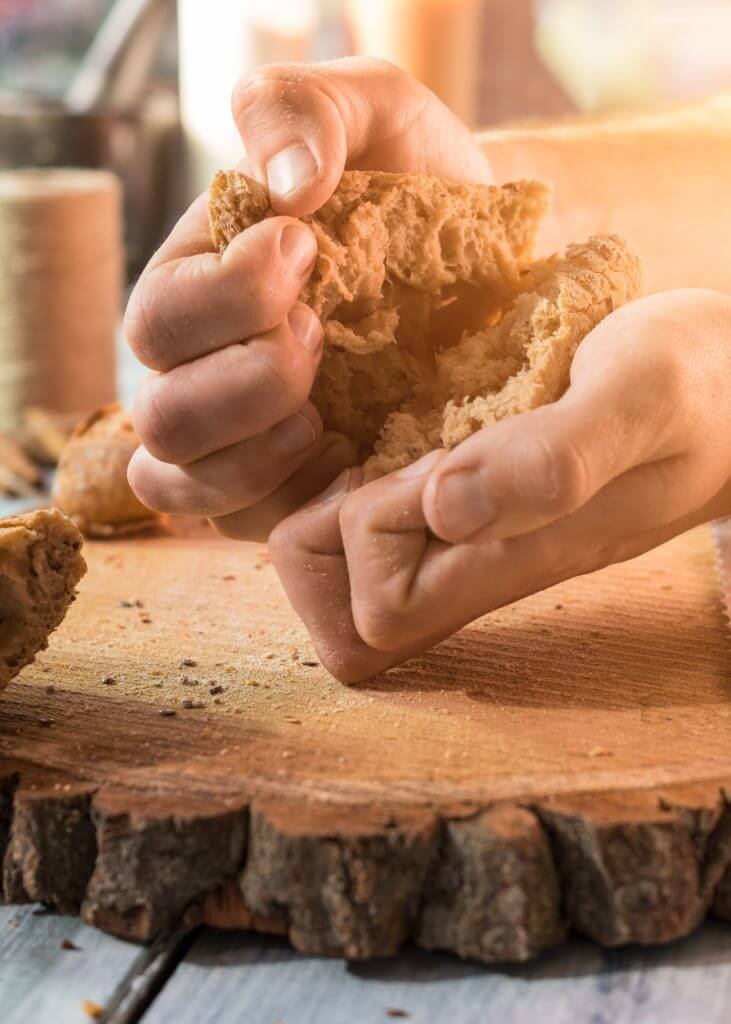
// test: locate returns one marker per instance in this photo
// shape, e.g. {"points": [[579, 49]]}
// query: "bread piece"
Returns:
{"points": [[40, 566], [404, 262], [521, 362], [435, 321], [91, 482]]}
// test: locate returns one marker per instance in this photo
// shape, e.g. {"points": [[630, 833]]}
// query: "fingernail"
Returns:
{"points": [[421, 466], [306, 328], [298, 247], [462, 504], [291, 436], [290, 170]]}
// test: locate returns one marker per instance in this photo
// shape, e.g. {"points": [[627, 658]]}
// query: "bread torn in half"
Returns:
{"points": [[436, 319], [91, 482], [40, 567]]}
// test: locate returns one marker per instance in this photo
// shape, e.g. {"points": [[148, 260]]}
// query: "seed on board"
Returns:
{"points": [[187, 681], [126, 604], [146, 619], [215, 689], [187, 703], [108, 680], [68, 944], [252, 682], [92, 1009], [393, 1011], [188, 663], [166, 712], [44, 720], [309, 663]]}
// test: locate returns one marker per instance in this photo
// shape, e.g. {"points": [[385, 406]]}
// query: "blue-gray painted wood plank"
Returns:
{"points": [[228, 979], [42, 983]]}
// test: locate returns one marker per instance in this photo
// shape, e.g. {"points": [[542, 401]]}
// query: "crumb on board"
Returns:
{"points": [[92, 1009]]}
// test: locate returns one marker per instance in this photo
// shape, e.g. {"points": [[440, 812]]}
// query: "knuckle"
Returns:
{"points": [[141, 479], [404, 89], [563, 465], [157, 418], [285, 538], [278, 83], [383, 621], [146, 326], [378, 67]]}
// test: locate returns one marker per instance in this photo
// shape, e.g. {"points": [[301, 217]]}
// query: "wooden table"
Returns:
{"points": [[228, 978], [225, 978]]}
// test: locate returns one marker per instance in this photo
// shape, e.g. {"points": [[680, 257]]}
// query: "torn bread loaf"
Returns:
{"points": [[436, 320], [91, 482], [40, 567]]}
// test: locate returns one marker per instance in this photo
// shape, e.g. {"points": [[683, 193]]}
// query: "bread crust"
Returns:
{"points": [[91, 482], [40, 566], [436, 322]]}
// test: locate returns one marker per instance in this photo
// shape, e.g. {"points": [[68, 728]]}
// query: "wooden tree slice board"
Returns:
{"points": [[561, 763]]}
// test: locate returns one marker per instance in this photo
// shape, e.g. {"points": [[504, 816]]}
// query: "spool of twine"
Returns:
{"points": [[61, 260]]}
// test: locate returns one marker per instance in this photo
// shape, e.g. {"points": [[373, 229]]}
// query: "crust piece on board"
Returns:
{"points": [[91, 483], [40, 566], [436, 321]]}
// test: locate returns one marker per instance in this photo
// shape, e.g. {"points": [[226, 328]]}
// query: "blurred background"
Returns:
{"points": [[110, 81], [142, 88]]}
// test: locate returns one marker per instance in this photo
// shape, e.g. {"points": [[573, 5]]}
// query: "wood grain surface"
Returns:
{"points": [[559, 764]]}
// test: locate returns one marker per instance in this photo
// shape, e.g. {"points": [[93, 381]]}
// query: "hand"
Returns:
{"points": [[225, 422], [636, 451]]}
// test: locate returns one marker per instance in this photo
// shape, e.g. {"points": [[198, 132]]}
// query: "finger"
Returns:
{"points": [[231, 478], [301, 125], [387, 547], [232, 394], [625, 406], [186, 307], [451, 585], [307, 553], [331, 456]]}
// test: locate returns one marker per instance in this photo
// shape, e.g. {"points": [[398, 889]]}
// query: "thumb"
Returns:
{"points": [[302, 125], [526, 471]]}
